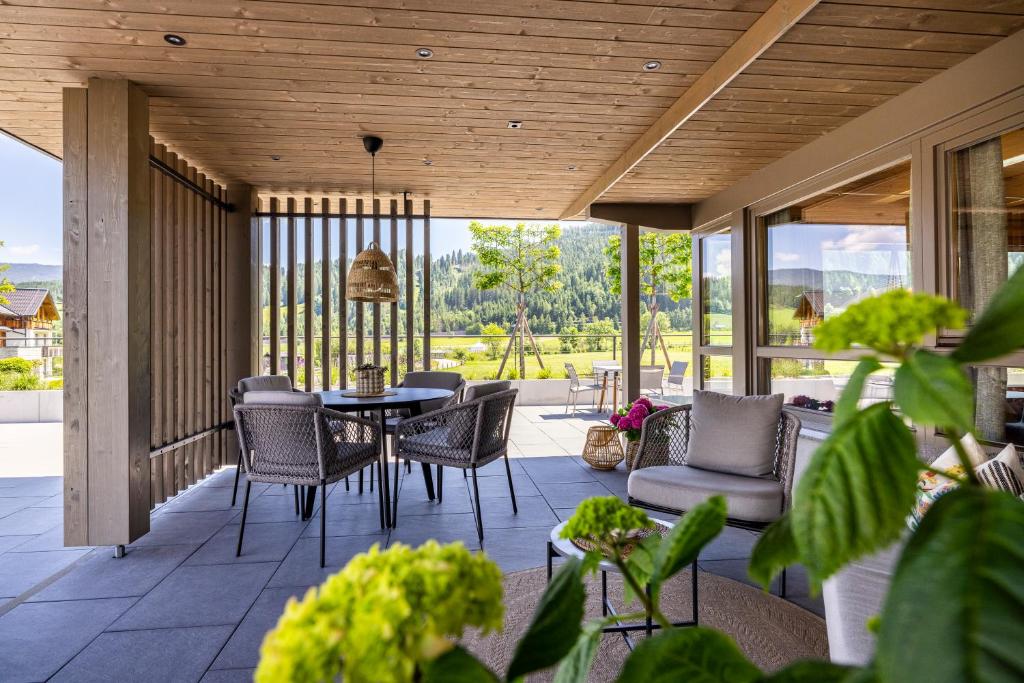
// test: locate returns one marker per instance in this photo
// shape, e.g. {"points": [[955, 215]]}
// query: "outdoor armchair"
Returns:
{"points": [[665, 476], [290, 438], [576, 386], [677, 374], [467, 436]]}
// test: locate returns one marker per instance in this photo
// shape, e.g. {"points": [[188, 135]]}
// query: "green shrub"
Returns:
{"points": [[56, 383], [22, 381], [544, 373], [16, 366]]}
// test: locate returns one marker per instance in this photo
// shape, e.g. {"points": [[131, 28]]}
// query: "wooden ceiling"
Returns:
{"points": [[303, 80]]}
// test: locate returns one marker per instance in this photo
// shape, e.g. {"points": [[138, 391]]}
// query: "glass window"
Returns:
{"points": [[717, 373], [987, 205], [815, 384], [834, 249], [716, 289]]}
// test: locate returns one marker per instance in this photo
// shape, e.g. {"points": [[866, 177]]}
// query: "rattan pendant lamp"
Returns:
{"points": [[372, 278]]}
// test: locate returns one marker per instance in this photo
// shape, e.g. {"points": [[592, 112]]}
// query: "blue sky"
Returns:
{"points": [[30, 192]]}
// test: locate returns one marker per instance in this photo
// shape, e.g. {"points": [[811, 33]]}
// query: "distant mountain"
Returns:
{"points": [[33, 272], [811, 278]]}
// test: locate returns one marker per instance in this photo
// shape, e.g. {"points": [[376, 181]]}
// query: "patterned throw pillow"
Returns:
{"points": [[996, 474], [950, 462], [925, 500]]}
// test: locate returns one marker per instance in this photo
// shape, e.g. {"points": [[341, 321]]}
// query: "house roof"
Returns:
{"points": [[811, 305], [27, 302]]}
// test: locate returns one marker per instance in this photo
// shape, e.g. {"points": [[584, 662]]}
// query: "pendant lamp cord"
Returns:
{"points": [[373, 178]]}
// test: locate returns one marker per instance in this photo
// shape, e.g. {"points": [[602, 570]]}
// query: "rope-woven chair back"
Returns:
{"points": [[495, 411], [664, 438], [280, 442], [574, 379]]}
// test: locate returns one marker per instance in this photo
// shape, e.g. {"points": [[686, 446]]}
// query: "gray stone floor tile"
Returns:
{"points": [[456, 499], [30, 521], [517, 549], [51, 502], [15, 503], [39, 638], [267, 542], [533, 511], [21, 571], [228, 676], [346, 520], [302, 565], [731, 544], [8, 542], [205, 595], [568, 494], [266, 508], [243, 649], [415, 529], [545, 450], [497, 487], [185, 528], [555, 470], [31, 486], [497, 468], [168, 655], [205, 498], [103, 576], [564, 513], [48, 540]]}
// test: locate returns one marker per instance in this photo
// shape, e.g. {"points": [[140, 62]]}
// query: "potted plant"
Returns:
{"points": [[629, 421], [370, 379]]}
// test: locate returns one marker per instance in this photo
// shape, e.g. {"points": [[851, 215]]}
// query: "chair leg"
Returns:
{"points": [[323, 521], [394, 493], [295, 490], [511, 489], [408, 466], [346, 484], [371, 478], [245, 510], [476, 502], [380, 491], [360, 482], [238, 471], [782, 587], [440, 483]]}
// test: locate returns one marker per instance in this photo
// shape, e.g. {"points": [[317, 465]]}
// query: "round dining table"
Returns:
{"points": [[393, 398]]}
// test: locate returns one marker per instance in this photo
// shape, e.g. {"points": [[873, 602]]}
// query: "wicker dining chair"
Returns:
{"points": [[466, 436], [661, 479], [290, 438], [235, 394]]}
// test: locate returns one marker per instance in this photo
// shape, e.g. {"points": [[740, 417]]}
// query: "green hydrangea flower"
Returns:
{"points": [[384, 615], [889, 323], [605, 520]]}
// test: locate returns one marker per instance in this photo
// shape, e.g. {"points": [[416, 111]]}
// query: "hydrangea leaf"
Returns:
{"points": [[682, 544], [555, 625], [961, 575], [457, 666], [933, 390], [688, 654], [856, 491], [846, 406], [1000, 329], [575, 668], [775, 550], [641, 565]]}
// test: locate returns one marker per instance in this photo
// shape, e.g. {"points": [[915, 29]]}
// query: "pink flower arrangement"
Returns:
{"points": [[630, 418]]}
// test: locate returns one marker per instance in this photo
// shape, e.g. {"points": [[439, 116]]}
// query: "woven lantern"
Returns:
{"points": [[372, 277]]}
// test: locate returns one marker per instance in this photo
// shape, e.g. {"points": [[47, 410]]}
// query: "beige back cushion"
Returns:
{"points": [[265, 383], [734, 434]]}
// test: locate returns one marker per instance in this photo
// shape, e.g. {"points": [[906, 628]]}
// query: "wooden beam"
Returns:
{"points": [[658, 215], [771, 26]]}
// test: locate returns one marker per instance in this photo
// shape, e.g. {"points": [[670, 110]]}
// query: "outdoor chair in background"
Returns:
{"points": [[651, 378], [425, 379], [576, 386], [677, 375], [467, 436], [740, 447], [290, 438]]}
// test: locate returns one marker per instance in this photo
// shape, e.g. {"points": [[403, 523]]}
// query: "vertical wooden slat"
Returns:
{"points": [[181, 272], [157, 397], [226, 381], [293, 295], [343, 294], [325, 293], [170, 299], [308, 294], [410, 292], [376, 307], [360, 328], [426, 284], [216, 387], [191, 327], [275, 288], [76, 321], [394, 304], [199, 470], [208, 419]]}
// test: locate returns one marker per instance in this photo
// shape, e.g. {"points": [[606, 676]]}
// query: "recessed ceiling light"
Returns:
{"points": [[652, 65], [424, 53], [515, 124], [174, 39], [570, 167], [428, 162], [275, 157]]}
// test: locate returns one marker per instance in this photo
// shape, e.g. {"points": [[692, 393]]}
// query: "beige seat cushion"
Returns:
{"points": [[679, 487]]}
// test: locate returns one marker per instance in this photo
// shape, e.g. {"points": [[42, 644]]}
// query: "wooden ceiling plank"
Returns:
{"points": [[778, 19]]}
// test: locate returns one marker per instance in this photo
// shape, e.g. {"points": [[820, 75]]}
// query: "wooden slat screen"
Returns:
{"points": [[348, 333], [189, 401]]}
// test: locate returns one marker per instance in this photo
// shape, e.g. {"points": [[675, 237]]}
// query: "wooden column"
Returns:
{"points": [[107, 270], [630, 255], [743, 323], [241, 353]]}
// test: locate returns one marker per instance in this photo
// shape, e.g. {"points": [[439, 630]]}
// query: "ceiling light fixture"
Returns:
{"points": [[424, 53], [515, 124], [428, 162], [174, 39], [372, 277], [652, 65], [275, 157], [1013, 161], [571, 167]]}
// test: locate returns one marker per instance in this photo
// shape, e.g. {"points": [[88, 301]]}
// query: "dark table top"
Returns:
{"points": [[403, 398]]}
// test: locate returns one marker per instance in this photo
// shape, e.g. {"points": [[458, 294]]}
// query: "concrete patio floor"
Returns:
{"points": [[181, 607]]}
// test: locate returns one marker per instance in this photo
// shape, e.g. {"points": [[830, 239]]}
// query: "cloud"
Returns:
{"points": [[865, 238], [21, 250], [786, 256], [723, 263]]}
